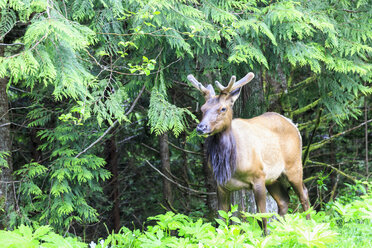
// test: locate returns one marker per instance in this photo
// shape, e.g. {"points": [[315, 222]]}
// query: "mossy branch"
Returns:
{"points": [[326, 141], [306, 108], [335, 169]]}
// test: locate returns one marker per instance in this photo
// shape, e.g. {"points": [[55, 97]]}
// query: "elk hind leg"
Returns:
{"points": [[280, 195], [295, 179]]}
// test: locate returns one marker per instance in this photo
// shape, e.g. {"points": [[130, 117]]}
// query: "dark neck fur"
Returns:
{"points": [[221, 153]]}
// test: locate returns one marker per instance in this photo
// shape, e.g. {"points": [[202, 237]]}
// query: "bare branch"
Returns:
{"points": [[5, 124], [97, 140], [353, 11], [184, 150], [179, 185], [149, 147], [32, 48], [11, 182], [13, 44], [135, 101]]}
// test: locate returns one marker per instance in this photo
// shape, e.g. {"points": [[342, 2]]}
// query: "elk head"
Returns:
{"points": [[218, 109]]}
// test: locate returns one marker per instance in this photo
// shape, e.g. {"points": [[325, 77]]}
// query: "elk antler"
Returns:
{"points": [[232, 85], [227, 89], [207, 92]]}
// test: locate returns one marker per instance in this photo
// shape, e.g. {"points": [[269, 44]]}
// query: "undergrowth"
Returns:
{"points": [[343, 224]]}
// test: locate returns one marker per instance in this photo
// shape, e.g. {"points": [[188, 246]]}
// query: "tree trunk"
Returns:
{"points": [[165, 162], [366, 135], [7, 201], [36, 154], [112, 162], [185, 177], [332, 160], [251, 101], [246, 202]]}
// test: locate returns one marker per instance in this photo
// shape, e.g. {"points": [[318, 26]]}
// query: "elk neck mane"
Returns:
{"points": [[221, 153]]}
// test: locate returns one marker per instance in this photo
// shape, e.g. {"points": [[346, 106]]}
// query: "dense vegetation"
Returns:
{"points": [[342, 225], [97, 118]]}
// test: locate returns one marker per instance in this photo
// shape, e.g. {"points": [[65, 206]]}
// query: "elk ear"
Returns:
{"points": [[233, 95]]}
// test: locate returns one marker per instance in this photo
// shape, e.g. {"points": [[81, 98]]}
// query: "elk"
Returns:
{"points": [[250, 153]]}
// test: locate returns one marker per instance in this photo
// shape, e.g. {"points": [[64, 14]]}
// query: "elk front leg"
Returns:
{"points": [[259, 191]]}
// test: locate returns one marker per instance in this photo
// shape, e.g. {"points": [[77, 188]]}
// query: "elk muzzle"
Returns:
{"points": [[202, 128]]}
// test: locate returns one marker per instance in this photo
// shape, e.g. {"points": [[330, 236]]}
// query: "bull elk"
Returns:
{"points": [[250, 153]]}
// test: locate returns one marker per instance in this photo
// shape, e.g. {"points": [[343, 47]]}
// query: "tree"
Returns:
{"points": [[7, 186]]}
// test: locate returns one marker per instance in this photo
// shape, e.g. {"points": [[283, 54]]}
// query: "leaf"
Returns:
{"points": [[223, 214], [235, 219]]}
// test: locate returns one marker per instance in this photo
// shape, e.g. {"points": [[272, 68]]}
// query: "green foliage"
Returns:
{"points": [[50, 57], [354, 221], [3, 161], [7, 22], [43, 236], [165, 116], [342, 226], [177, 230], [60, 189], [181, 231]]}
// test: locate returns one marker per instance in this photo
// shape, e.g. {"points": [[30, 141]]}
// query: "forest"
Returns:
{"points": [[98, 141]]}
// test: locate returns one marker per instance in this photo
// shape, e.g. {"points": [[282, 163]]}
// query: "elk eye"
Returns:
{"points": [[223, 109]]}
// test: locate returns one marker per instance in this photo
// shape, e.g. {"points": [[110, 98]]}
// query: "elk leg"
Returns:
{"points": [[301, 191], [223, 199], [259, 191], [306, 201], [280, 195]]}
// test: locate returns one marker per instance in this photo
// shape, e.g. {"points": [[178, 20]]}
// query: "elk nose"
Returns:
{"points": [[201, 128]]}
